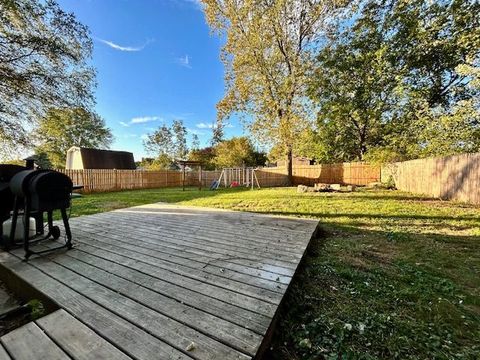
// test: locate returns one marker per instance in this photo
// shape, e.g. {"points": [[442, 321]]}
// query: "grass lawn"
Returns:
{"points": [[394, 276]]}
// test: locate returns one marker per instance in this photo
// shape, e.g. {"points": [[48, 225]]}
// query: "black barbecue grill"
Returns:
{"points": [[36, 192]]}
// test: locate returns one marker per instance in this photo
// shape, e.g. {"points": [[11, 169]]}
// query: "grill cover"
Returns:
{"points": [[7, 171], [50, 190], [46, 189]]}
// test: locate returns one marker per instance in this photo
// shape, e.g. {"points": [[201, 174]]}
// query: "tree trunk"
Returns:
{"points": [[289, 165]]}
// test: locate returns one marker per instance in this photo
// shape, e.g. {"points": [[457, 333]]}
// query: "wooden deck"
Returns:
{"points": [[163, 282]]}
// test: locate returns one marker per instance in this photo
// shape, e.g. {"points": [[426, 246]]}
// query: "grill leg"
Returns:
{"points": [[11, 241], [26, 229], [50, 221], [67, 228]]}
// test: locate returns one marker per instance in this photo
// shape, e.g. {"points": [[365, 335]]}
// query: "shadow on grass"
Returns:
{"points": [[375, 294], [320, 214]]}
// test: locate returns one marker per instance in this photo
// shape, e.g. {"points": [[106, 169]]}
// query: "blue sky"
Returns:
{"points": [[156, 61]]}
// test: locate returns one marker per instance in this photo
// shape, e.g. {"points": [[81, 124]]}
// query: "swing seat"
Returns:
{"points": [[214, 185]]}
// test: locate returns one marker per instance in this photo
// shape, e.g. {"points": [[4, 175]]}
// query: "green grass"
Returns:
{"points": [[393, 276]]}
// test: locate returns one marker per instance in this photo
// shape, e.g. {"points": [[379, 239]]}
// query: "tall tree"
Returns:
{"points": [[437, 49], [43, 64], [354, 86], [268, 56], [179, 132], [61, 129]]}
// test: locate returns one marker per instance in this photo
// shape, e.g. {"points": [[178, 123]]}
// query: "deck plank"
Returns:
{"points": [[142, 276], [193, 241], [159, 325], [236, 293], [76, 339], [209, 234], [149, 281], [30, 342], [205, 262], [3, 353], [218, 328], [286, 266], [131, 339]]}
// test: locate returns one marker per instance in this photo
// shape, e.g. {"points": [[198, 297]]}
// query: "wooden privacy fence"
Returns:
{"points": [[344, 173], [451, 178], [103, 180], [99, 180]]}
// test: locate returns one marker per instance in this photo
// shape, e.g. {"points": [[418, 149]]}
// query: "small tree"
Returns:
{"points": [[235, 152], [217, 134], [160, 141], [195, 142], [61, 129], [179, 132], [206, 156]]}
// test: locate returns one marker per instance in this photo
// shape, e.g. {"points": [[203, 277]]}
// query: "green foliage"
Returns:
{"points": [[195, 142], [179, 132], [205, 155], [61, 129], [160, 141], [168, 144], [268, 52], [37, 309], [383, 155], [217, 134], [162, 162], [42, 160], [43, 63], [397, 81], [235, 152]]}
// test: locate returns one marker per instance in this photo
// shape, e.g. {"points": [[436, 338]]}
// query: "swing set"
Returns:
{"points": [[233, 177]]}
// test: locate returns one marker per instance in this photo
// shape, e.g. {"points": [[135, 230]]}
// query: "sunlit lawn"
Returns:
{"points": [[394, 276]]}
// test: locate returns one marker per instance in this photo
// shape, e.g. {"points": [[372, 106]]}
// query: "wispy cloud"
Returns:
{"points": [[204, 126], [197, 132], [210, 126], [184, 61], [128, 136], [197, 3], [144, 137], [123, 123], [145, 119], [124, 48]]}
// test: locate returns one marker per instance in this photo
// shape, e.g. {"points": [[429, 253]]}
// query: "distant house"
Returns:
{"points": [[79, 158], [297, 160]]}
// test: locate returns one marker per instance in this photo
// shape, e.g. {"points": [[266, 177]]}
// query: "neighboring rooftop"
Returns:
{"points": [[79, 158]]}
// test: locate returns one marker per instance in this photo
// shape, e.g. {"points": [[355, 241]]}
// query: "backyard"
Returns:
{"points": [[393, 275]]}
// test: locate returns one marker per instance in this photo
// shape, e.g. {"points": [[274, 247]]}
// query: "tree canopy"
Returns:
{"points": [[43, 64], [235, 152], [395, 82], [61, 129], [268, 56]]}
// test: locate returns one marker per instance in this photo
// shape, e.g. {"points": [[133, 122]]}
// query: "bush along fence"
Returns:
{"points": [[454, 177]]}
